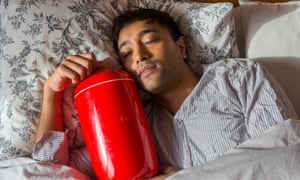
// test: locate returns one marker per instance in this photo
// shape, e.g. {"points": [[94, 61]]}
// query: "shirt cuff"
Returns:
{"points": [[52, 147]]}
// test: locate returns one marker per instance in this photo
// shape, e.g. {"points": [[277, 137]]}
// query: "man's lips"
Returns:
{"points": [[145, 70]]}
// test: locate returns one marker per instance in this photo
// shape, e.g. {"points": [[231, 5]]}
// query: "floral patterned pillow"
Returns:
{"points": [[35, 36]]}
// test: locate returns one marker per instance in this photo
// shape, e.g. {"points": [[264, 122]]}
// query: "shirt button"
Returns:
{"points": [[49, 144], [38, 145]]}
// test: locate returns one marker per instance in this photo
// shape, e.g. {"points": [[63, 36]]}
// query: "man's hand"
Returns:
{"points": [[164, 172], [76, 68], [71, 71]]}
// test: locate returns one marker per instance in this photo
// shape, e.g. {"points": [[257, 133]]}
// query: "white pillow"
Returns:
{"points": [[270, 29], [36, 36], [209, 29]]}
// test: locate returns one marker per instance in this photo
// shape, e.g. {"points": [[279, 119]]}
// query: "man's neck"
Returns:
{"points": [[173, 99]]}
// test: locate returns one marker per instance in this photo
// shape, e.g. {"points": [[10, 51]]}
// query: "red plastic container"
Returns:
{"points": [[115, 127]]}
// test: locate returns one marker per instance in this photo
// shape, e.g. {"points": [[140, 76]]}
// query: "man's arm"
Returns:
{"points": [[68, 74], [51, 116], [267, 103]]}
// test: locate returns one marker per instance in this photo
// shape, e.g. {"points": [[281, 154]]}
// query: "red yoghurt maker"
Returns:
{"points": [[115, 126]]}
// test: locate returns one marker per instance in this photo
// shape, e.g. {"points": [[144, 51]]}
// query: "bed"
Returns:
{"points": [[36, 35]]}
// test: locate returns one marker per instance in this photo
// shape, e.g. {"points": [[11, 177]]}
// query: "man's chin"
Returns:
{"points": [[151, 89], [150, 83]]}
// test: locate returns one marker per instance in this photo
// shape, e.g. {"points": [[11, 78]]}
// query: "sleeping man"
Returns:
{"points": [[194, 119]]}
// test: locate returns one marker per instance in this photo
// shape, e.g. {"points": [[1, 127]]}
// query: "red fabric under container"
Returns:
{"points": [[115, 127]]}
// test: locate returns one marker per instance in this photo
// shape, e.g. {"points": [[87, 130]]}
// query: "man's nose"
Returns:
{"points": [[141, 53]]}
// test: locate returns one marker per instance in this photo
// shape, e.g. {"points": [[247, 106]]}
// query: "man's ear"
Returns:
{"points": [[181, 44]]}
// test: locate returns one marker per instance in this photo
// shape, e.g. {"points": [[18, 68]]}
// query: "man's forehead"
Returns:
{"points": [[138, 28], [141, 23]]}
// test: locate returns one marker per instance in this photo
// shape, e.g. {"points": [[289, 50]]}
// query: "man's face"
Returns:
{"points": [[149, 53]]}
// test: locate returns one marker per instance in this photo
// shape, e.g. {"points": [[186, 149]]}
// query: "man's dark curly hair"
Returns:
{"points": [[151, 15]]}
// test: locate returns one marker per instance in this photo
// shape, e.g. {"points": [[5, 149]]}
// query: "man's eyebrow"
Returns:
{"points": [[140, 34]]}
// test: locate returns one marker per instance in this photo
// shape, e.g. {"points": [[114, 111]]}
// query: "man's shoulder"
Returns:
{"points": [[232, 65]]}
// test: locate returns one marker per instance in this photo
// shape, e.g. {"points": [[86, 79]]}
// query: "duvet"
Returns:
{"points": [[273, 155]]}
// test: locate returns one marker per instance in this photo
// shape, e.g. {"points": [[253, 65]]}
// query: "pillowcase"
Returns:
{"points": [[36, 36], [209, 29], [269, 30]]}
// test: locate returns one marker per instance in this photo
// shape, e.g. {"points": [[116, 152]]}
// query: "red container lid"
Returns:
{"points": [[100, 78]]}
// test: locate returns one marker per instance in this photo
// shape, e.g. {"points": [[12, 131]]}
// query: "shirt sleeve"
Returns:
{"points": [[54, 147], [266, 104]]}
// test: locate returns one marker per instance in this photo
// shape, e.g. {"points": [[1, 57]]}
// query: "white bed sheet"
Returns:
{"points": [[26, 168], [274, 155]]}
